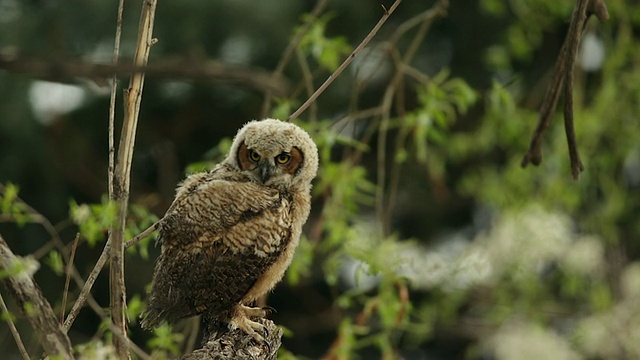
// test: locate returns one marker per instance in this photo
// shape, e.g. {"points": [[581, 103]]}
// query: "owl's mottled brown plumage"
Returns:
{"points": [[230, 233]]}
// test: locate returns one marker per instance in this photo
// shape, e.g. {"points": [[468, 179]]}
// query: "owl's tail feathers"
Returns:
{"points": [[152, 318]]}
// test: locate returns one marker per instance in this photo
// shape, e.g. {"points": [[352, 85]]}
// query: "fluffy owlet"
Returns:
{"points": [[230, 233]]}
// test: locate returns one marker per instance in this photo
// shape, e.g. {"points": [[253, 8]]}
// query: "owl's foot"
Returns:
{"points": [[254, 312], [240, 320]]}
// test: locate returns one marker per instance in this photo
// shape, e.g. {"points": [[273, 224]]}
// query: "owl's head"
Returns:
{"points": [[275, 153]]}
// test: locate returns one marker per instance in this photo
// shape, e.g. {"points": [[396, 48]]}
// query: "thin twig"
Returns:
{"points": [[70, 267], [112, 100], [575, 32], [534, 154], [346, 62], [307, 80], [288, 52], [14, 330]]}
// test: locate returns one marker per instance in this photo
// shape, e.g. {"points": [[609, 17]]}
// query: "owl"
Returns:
{"points": [[230, 233]]}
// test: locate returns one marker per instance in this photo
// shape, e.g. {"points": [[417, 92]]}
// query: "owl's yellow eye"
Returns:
{"points": [[254, 156], [283, 158]]}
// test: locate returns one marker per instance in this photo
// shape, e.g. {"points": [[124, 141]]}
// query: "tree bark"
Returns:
{"points": [[34, 306], [219, 343]]}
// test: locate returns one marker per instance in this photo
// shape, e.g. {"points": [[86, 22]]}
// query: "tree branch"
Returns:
{"points": [[69, 69], [221, 344], [563, 77], [35, 307]]}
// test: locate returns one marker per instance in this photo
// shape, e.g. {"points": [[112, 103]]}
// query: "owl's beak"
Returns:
{"points": [[266, 170]]}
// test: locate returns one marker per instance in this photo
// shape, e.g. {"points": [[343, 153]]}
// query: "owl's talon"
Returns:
{"points": [[258, 338], [266, 343], [240, 320], [269, 310]]}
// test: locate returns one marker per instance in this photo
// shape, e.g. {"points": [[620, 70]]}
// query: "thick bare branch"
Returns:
{"points": [[220, 343], [35, 307]]}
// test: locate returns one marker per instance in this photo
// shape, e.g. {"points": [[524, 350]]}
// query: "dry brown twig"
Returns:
{"points": [[347, 61], [14, 330], [563, 76], [69, 272]]}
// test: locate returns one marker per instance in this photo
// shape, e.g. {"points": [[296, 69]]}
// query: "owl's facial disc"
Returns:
{"points": [[270, 167]]}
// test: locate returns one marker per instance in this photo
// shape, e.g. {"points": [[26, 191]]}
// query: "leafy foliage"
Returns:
{"points": [[327, 51], [426, 236]]}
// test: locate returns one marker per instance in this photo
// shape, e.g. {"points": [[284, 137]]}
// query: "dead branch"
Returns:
{"points": [[34, 306], [67, 70], [563, 78]]}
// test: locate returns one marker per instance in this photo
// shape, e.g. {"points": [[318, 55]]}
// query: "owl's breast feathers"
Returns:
{"points": [[218, 238]]}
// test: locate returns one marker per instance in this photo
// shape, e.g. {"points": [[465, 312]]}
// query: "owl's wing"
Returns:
{"points": [[212, 206], [217, 238]]}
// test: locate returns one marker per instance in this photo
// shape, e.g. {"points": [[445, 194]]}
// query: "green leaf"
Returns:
{"points": [[10, 194], [54, 260], [165, 339], [135, 307]]}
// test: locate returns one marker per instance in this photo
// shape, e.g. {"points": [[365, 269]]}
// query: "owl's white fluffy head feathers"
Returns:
{"points": [[266, 140]]}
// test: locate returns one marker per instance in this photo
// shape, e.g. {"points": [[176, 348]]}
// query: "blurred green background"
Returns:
{"points": [[427, 240]]}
